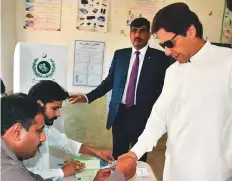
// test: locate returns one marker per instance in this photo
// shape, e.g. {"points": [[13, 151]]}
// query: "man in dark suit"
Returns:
{"points": [[136, 79]]}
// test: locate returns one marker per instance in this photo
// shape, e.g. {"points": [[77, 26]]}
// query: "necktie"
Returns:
{"points": [[130, 94]]}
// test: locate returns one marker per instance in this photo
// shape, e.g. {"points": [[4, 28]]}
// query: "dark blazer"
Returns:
{"points": [[149, 85]]}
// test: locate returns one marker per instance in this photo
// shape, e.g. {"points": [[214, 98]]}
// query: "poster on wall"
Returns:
{"points": [[88, 63], [226, 35], [43, 14], [93, 15], [35, 62], [142, 8]]}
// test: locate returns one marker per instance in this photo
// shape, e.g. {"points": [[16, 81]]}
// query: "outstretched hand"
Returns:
{"points": [[77, 98]]}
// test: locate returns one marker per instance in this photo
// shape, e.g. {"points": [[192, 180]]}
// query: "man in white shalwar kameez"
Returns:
{"points": [[195, 107]]}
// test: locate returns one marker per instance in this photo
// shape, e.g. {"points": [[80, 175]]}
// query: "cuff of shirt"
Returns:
{"points": [[61, 173], [78, 148], [87, 100], [138, 149], [117, 175]]}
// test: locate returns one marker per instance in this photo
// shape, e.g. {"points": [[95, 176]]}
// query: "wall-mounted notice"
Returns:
{"points": [[226, 35], [143, 8], [43, 14], [88, 63], [35, 62], [93, 15]]}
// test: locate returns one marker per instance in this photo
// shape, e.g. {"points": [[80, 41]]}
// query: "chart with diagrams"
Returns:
{"points": [[93, 15]]}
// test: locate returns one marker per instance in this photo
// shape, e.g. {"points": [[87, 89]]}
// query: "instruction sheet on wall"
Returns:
{"points": [[93, 15], [88, 63], [43, 14]]}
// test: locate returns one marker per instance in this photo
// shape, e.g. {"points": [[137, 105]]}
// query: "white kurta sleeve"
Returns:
{"points": [[60, 141], [157, 123]]}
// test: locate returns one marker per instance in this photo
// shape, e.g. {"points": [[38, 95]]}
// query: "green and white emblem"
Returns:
{"points": [[43, 67]]}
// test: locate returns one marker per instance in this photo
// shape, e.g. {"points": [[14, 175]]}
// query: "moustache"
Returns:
{"points": [[53, 119], [49, 122]]}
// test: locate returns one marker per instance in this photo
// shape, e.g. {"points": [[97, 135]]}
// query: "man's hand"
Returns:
{"points": [[129, 154], [77, 98], [104, 155], [126, 165], [72, 168], [103, 174]]}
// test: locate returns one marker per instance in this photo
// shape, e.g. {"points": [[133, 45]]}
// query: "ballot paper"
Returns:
{"points": [[86, 175], [92, 165]]}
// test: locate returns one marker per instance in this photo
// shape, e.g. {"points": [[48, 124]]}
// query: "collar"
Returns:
{"points": [[199, 56], [142, 51], [6, 150]]}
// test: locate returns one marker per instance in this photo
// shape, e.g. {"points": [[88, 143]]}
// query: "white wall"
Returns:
{"points": [[212, 24], [8, 41], [113, 39], [12, 31]]}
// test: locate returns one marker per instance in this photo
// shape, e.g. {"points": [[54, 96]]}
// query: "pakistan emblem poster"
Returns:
{"points": [[35, 62], [43, 67]]}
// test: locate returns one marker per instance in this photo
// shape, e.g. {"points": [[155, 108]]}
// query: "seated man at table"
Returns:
{"points": [[50, 96], [22, 123]]}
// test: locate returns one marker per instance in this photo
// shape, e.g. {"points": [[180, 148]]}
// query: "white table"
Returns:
{"points": [[150, 177]]}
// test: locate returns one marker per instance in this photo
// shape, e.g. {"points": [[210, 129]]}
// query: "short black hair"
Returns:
{"points": [[138, 22], [48, 91], [18, 108], [177, 18]]}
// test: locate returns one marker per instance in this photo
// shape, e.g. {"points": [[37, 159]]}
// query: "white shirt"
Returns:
{"points": [[195, 108], [141, 59], [40, 163]]}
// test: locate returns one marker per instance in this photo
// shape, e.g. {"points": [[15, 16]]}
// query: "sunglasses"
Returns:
{"points": [[168, 43]]}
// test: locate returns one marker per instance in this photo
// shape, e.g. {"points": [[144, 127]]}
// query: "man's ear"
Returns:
{"points": [[17, 131], [40, 103], [191, 32]]}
